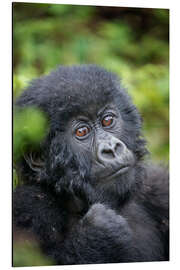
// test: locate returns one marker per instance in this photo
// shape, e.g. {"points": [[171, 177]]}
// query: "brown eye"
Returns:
{"points": [[107, 121], [83, 131]]}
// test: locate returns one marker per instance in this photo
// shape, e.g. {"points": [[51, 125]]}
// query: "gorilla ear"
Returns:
{"points": [[34, 160]]}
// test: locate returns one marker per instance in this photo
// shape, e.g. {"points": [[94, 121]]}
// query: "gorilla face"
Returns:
{"points": [[98, 136], [91, 150]]}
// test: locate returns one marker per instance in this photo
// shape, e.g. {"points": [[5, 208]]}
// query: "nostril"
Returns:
{"points": [[118, 148], [107, 153]]}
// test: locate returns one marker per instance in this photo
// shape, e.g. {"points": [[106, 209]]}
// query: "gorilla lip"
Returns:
{"points": [[121, 171]]}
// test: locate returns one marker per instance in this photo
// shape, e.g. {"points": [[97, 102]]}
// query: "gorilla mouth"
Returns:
{"points": [[123, 169], [120, 171]]}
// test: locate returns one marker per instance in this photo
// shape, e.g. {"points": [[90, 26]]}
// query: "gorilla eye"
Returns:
{"points": [[82, 131], [107, 121]]}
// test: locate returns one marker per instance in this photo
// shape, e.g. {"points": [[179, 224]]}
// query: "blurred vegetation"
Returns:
{"points": [[30, 127], [133, 42], [26, 251]]}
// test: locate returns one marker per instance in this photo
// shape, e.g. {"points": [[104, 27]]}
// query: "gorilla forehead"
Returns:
{"points": [[80, 88]]}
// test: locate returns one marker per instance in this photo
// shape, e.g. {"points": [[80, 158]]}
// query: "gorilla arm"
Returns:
{"points": [[155, 199], [98, 237]]}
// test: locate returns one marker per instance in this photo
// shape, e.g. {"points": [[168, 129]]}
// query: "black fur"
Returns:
{"points": [[76, 218]]}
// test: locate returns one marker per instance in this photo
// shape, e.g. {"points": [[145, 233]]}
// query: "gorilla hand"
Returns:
{"points": [[102, 217]]}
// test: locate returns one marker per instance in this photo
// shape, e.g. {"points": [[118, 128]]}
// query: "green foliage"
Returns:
{"points": [[27, 253], [30, 127]]}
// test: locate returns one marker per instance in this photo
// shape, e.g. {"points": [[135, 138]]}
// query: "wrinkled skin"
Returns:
{"points": [[93, 199]]}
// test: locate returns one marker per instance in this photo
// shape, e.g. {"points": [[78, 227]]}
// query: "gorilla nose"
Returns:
{"points": [[110, 151]]}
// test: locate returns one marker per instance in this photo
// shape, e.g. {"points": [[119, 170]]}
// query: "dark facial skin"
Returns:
{"points": [[98, 136]]}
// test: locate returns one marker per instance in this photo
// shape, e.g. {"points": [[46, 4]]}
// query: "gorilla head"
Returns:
{"points": [[94, 138]]}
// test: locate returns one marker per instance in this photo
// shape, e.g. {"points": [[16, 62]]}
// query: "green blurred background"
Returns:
{"points": [[133, 42]]}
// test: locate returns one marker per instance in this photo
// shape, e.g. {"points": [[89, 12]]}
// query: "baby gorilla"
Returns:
{"points": [[91, 199]]}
